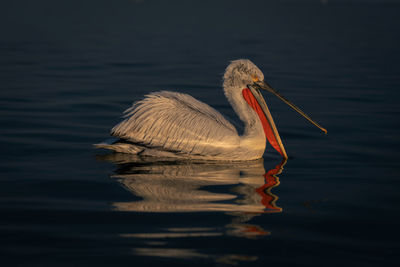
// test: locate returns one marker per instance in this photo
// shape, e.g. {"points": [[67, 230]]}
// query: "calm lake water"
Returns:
{"points": [[69, 68]]}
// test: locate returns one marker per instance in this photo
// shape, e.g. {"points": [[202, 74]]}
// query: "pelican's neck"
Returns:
{"points": [[252, 124]]}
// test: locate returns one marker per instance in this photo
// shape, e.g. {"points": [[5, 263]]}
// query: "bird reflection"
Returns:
{"points": [[239, 189], [179, 186]]}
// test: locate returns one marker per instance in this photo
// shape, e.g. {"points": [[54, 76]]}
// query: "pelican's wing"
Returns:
{"points": [[176, 122]]}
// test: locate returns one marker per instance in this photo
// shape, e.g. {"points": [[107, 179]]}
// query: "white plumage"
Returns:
{"points": [[176, 122], [170, 124]]}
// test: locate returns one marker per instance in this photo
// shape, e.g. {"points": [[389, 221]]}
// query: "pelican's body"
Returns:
{"points": [[170, 124]]}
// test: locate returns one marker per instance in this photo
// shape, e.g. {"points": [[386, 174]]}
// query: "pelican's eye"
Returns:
{"points": [[255, 78]]}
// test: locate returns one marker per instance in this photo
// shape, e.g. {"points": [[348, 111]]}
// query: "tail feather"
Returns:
{"points": [[117, 145]]}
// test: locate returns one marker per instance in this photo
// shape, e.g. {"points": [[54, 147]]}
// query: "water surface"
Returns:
{"points": [[69, 68]]}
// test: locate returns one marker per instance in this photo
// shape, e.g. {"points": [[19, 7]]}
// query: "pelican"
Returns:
{"points": [[171, 124]]}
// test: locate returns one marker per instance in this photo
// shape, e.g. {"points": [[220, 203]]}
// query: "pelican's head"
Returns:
{"points": [[243, 79], [240, 73]]}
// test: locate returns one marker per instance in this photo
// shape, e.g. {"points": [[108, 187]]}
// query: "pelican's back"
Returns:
{"points": [[178, 123]]}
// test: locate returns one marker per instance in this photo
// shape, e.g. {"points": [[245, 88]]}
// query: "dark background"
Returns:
{"points": [[69, 68]]}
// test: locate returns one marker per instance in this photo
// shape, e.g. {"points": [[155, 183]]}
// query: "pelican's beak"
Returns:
{"points": [[270, 130], [265, 86]]}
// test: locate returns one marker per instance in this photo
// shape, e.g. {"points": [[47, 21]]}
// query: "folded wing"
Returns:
{"points": [[177, 122]]}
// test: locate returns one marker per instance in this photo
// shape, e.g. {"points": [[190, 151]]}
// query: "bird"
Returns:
{"points": [[168, 124]]}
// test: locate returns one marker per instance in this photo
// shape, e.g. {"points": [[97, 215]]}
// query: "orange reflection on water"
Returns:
{"points": [[271, 181]]}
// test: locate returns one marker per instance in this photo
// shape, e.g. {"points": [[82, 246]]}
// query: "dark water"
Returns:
{"points": [[69, 68]]}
